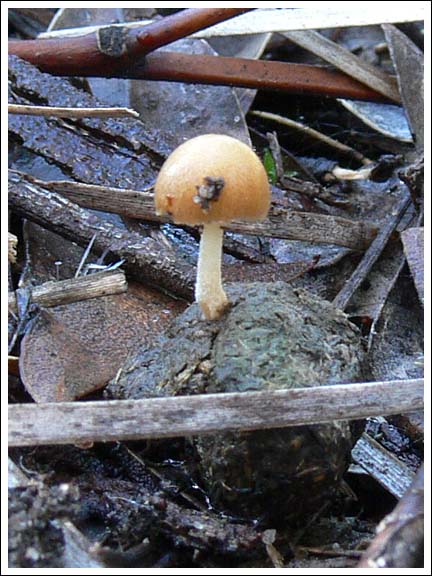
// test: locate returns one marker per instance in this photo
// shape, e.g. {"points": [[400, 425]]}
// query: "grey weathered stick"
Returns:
{"points": [[67, 112], [346, 61], [306, 226], [371, 255], [74, 289], [115, 420], [145, 258]]}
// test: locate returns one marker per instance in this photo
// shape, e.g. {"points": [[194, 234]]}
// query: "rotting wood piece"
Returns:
{"points": [[145, 258], [280, 223], [115, 420], [74, 289]]}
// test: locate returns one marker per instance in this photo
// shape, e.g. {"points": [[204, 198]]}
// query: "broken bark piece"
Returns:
{"points": [[399, 542], [74, 289], [145, 259], [382, 465]]}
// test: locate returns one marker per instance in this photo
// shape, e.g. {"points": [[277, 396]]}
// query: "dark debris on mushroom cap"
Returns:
{"points": [[273, 337]]}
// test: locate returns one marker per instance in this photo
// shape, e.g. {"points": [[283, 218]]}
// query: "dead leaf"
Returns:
{"points": [[73, 350]]}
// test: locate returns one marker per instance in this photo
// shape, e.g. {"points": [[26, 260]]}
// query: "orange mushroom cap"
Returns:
{"points": [[212, 178]]}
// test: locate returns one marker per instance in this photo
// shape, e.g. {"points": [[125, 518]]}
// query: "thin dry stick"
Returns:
{"points": [[347, 150], [116, 420], [65, 112], [306, 226], [371, 255], [75, 289]]}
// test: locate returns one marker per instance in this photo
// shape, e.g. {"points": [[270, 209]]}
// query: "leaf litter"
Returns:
{"points": [[127, 517]]}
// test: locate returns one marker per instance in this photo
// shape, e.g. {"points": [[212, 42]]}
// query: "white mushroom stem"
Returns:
{"points": [[208, 289]]}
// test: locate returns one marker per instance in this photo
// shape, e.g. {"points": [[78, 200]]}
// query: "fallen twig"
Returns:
{"points": [[66, 112], [75, 289], [399, 542], [281, 223], [372, 254], [111, 47], [343, 148], [145, 258], [72, 57], [116, 420]]}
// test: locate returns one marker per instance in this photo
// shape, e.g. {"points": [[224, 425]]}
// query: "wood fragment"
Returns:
{"points": [[408, 61], [12, 246], [280, 223], [399, 542], [346, 61], [146, 259], [198, 530], [382, 465], [65, 112], [116, 420], [413, 244], [74, 289], [372, 254], [343, 148]]}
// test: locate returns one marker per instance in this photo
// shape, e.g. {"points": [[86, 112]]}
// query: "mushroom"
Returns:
{"points": [[209, 181]]}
